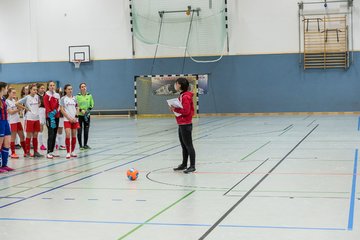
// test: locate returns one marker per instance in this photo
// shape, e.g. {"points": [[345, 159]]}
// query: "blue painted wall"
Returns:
{"points": [[254, 83]]}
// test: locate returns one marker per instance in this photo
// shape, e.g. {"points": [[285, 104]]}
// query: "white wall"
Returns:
{"points": [[260, 26], [15, 38], [42, 30]]}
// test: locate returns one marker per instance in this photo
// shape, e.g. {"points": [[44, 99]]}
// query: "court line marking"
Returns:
{"points": [[156, 215], [353, 193], [286, 130], [173, 224], [50, 165], [246, 176], [253, 188], [311, 123]]}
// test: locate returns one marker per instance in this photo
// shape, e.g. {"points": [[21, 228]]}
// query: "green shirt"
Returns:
{"points": [[85, 102]]}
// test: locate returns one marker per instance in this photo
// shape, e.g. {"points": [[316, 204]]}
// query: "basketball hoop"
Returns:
{"points": [[77, 63]]}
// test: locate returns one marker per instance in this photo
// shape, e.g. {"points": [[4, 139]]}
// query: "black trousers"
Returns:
{"points": [[51, 135], [187, 144], [83, 125]]}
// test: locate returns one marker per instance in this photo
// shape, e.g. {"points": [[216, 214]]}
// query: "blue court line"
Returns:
{"points": [[173, 224], [50, 165], [11, 197], [353, 193]]}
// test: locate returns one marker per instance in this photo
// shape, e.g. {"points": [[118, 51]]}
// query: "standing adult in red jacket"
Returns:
{"points": [[185, 124], [52, 113]]}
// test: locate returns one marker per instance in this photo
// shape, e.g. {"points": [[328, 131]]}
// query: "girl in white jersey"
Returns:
{"points": [[14, 120], [41, 92], [70, 110], [32, 104]]}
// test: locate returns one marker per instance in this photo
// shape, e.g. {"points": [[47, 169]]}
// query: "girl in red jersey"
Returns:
{"points": [[52, 113], [15, 124], [70, 110], [5, 134], [32, 104], [184, 120]]}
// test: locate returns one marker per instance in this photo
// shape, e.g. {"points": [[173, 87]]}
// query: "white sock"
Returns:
{"points": [[60, 139], [40, 138]]}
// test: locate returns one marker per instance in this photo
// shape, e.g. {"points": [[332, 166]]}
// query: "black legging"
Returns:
{"points": [[86, 126], [51, 135], [186, 144]]}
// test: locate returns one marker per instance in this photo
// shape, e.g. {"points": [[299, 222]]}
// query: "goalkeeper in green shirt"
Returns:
{"points": [[85, 103]]}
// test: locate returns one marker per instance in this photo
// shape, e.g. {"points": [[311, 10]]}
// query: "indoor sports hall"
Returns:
{"points": [[179, 120]]}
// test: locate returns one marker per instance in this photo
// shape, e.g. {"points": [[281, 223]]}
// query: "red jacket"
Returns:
{"points": [[187, 112], [51, 103]]}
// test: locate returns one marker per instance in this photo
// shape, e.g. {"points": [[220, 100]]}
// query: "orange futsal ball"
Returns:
{"points": [[132, 174]]}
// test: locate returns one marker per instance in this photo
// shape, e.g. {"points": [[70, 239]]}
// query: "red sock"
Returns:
{"points": [[23, 145], [67, 143], [35, 144], [27, 145], [12, 145], [73, 143]]}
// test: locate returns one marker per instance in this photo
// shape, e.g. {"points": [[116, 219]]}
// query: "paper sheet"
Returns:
{"points": [[174, 102]]}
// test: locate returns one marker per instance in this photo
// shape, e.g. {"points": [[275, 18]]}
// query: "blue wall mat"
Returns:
{"points": [[238, 84]]}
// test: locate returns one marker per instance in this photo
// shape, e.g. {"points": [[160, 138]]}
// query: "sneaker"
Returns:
{"points": [[17, 146], [68, 156], [49, 156], [87, 147], [73, 154], [180, 167], [14, 155], [42, 147], [55, 154], [2, 170], [82, 148], [190, 169], [62, 147], [26, 155], [8, 169], [37, 155]]}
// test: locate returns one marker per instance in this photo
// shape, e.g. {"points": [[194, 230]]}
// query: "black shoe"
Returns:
{"points": [[17, 146], [87, 147], [190, 169], [180, 167], [38, 155]]}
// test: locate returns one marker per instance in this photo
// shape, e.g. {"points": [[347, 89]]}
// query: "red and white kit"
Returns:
{"points": [[69, 104], [32, 116], [14, 119]]}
